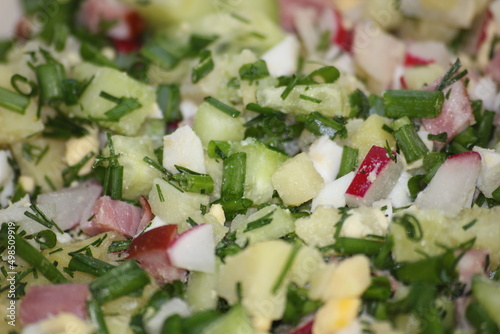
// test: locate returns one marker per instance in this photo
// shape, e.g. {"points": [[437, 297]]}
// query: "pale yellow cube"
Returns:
{"points": [[297, 181], [371, 133], [317, 230]]}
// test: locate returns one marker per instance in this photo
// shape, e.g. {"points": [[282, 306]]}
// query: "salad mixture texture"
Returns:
{"points": [[230, 166]]}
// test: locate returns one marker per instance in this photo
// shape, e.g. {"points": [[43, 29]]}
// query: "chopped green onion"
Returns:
{"points": [[13, 101], [263, 110], [258, 223], [46, 239], [218, 149], [350, 246], [161, 54], [348, 160], [160, 193], [322, 125], [286, 267], [169, 99], [496, 194], [19, 78], [411, 225], [479, 318], [222, 106], [254, 71], [88, 264], [50, 82], [33, 152], [63, 127], [469, 224], [199, 42], [451, 76], [432, 162], [408, 140], [36, 259], [61, 33], [41, 218], [441, 137], [127, 278], [328, 74], [73, 89], [194, 182], [93, 55], [485, 128], [70, 174], [380, 289], [119, 246], [413, 103], [116, 182], [191, 222], [204, 67], [97, 317], [233, 177], [125, 105], [436, 270], [157, 166], [309, 98], [290, 87], [240, 18], [360, 105], [172, 325]]}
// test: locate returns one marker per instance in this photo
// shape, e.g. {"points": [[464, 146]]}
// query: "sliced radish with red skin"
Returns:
{"points": [[374, 179], [452, 187], [151, 250], [194, 249], [305, 326], [413, 60]]}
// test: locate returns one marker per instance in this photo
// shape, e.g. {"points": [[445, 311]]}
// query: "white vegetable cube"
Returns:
{"points": [[326, 156], [452, 187], [317, 229], [282, 59], [183, 148], [335, 315], [297, 181], [489, 176], [19, 126], [138, 176], [172, 205], [333, 193]]}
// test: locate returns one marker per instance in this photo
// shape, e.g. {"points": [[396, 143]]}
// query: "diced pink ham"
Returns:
{"points": [[96, 13], [72, 205], [113, 215], [340, 35], [471, 263], [493, 67], [456, 114], [43, 301], [147, 214], [151, 250]]}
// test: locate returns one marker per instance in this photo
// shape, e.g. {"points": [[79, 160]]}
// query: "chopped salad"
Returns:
{"points": [[291, 166]]}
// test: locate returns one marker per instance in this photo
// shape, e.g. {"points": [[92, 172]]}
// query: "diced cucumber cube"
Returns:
{"points": [[261, 164], [487, 293], [19, 126], [234, 321], [138, 176], [118, 84], [269, 223], [200, 291], [42, 159], [328, 99], [211, 123]]}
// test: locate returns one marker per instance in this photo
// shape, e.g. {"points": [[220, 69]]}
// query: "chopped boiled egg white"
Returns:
{"points": [[326, 156], [63, 323], [283, 58], [336, 314], [489, 176], [154, 322], [333, 193], [183, 148], [78, 148], [217, 211], [6, 178]]}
